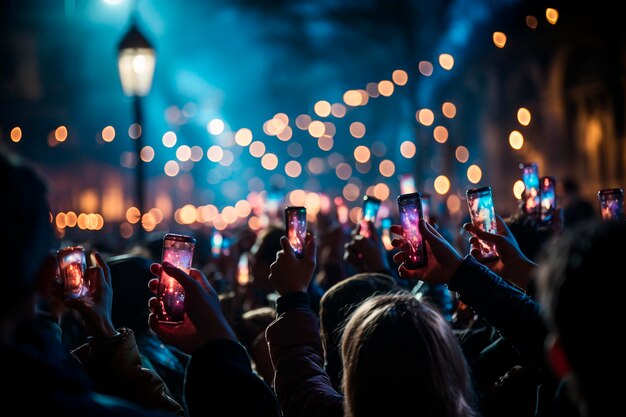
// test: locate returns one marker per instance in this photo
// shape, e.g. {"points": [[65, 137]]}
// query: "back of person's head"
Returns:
{"points": [[400, 354], [263, 255], [577, 280], [570, 186], [25, 229], [129, 278], [336, 306]]}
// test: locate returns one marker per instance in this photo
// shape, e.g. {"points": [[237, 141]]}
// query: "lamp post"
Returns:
{"points": [[136, 60]]}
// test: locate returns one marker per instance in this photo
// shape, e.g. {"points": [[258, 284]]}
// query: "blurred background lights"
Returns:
{"points": [[183, 153], [516, 139], [425, 117], [362, 154], [385, 88], [215, 126], [400, 77], [387, 168], [338, 110], [243, 137], [474, 174], [442, 184], [453, 202], [169, 139], [257, 148], [523, 116], [269, 161], [147, 153], [446, 61], [552, 15], [532, 22], [448, 109], [440, 134], [293, 169], [462, 154], [499, 39], [352, 98], [357, 129], [16, 134], [425, 68], [60, 133], [108, 134], [171, 168], [215, 153], [407, 149], [316, 129], [322, 108], [518, 189]]}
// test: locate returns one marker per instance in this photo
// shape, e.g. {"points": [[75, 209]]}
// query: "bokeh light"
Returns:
{"points": [[407, 149], [532, 22], [357, 129], [269, 161], [387, 168], [425, 117], [499, 39], [381, 191], [385, 88], [169, 139], [440, 134], [215, 153], [343, 171], [352, 98], [147, 153], [425, 68], [303, 121], [338, 110], [516, 139], [315, 165], [293, 169], [523, 116], [71, 218], [322, 108], [325, 143], [285, 134], [215, 126], [448, 109], [294, 149], [60, 133], [171, 168], [316, 129], [134, 130], [453, 202], [518, 189], [133, 215], [227, 158], [257, 148], [372, 90], [196, 153], [243, 137], [362, 154], [474, 174], [400, 77], [108, 134], [442, 184], [462, 154], [446, 61], [16, 134], [552, 15], [351, 192], [183, 153]]}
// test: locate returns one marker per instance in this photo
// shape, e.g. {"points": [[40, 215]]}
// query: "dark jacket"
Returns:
{"points": [[220, 382], [514, 314], [302, 386], [40, 377]]}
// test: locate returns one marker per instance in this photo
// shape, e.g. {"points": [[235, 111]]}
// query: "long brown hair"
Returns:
{"points": [[399, 354]]}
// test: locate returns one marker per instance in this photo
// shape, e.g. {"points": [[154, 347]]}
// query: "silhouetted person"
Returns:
{"points": [[575, 208]]}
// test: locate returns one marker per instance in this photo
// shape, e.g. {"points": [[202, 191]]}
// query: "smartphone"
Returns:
{"points": [[386, 234], [426, 199], [483, 215], [612, 203], [177, 250], [371, 205], [547, 194], [295, 221], [407, 184], [72, 265], [530, 177], [410, 208]]}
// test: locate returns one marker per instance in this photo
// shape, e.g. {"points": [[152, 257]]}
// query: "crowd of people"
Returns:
{"points": [[346, 329]]}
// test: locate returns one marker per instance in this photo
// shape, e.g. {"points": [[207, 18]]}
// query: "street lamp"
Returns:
{"points": [[136, 60]]}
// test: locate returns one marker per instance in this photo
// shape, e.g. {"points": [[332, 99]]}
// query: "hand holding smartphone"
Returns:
{"points": [[177, 250], [72, 265], [370, 211], [295, 222], [611, 203], [547, 193], [480, 203], [410, 207], [530, 177]]}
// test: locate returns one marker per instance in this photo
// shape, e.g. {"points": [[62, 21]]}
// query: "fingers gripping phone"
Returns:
{"points": [[295, 222], [480, 202], [410, 208], [370, 211], [177, 250]]}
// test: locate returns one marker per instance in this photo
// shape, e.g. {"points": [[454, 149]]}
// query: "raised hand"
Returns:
{"points": [[443, 259], [512, 264], [290, 274], [367, 254], [203, 320], [95, 306]]}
